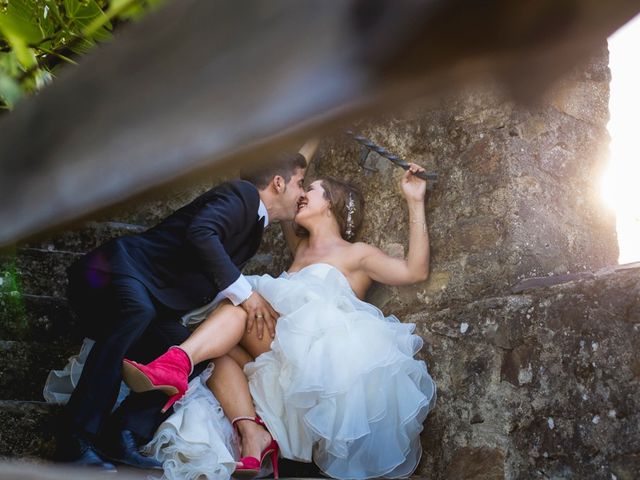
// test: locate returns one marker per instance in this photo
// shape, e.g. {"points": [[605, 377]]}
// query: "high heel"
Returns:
{"points": [[168, 373], [251, 466]]}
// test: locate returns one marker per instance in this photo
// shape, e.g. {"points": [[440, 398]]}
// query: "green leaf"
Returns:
{"points": [[20, 18], [18, 26], [9, 64], [10, 91], [132, 9], [24, 54], [84, 13]]}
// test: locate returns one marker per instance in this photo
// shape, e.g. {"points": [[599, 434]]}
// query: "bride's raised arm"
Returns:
{"points": [[308, 151], [415, 268]]}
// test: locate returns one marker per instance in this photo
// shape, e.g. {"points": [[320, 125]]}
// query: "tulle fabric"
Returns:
{"points": [[340, 385], [60, 383], [197, 441]]}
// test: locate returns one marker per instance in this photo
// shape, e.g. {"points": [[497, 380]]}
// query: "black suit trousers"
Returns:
{"points": [[119, 313]]}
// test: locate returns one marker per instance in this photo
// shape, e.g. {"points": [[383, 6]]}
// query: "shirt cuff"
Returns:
{"points": [[238, 291]]}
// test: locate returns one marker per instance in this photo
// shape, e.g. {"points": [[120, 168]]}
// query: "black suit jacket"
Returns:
{"points": [[193, 254]]}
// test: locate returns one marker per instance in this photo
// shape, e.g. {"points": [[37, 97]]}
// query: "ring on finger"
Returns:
{"points": [[259, 316]]}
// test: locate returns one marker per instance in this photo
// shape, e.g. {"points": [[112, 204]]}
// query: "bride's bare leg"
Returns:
{"points": [[218, 334], [229, 385], [254, 345]]}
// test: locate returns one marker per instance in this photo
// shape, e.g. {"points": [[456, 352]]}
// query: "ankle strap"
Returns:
{"points": [[255, 419]]}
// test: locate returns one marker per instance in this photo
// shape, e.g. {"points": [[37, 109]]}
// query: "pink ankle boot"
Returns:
{"points": [[169, 373]]}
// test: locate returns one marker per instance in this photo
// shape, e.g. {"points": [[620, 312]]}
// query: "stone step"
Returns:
{"points": [[24, 366], [27, 429], [35, 271], [36, 318], [84, 237], [37, 469], [39, 267]]}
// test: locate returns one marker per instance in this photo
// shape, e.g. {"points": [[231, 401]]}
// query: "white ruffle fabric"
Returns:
{"points": [[197, 441], [340, 384], [61, 383], [339, 387]]}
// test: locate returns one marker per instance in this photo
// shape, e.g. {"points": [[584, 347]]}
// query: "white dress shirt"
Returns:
{"points": [[237, 292], [240, 290]]}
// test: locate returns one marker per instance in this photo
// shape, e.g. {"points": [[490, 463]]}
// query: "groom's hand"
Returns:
{"points": [[260, 313]]}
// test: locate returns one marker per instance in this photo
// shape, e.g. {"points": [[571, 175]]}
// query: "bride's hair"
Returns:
{"points": [[347, 205]]}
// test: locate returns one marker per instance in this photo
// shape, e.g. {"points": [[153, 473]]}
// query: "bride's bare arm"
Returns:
{"points": [[415, 268], [308, 151]]}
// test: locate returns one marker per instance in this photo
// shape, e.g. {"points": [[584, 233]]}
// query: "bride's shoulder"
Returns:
{"points": [[361, 249]]}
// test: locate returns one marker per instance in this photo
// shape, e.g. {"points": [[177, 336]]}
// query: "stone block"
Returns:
{"points": [[83, 238], [36, 272], [476, 464], [27, 429], [24, 366], [546, 380], [36, 318], [36, 469], [516, 196]]}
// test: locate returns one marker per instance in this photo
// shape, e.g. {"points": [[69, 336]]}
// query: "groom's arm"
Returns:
{"points": [[216, 221], [219, 219]]}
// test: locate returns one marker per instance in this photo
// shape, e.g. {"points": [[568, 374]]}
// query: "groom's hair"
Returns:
{"points": [[283, 164]]}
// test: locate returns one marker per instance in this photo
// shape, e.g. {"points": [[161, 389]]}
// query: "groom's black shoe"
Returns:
{"points": [[80, 452], [122, 447]]}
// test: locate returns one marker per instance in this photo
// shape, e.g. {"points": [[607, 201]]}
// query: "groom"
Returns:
{"points": [[130, 293]]}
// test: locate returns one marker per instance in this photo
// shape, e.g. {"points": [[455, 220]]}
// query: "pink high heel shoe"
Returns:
{"points": [[251, 466], [168, 373]]}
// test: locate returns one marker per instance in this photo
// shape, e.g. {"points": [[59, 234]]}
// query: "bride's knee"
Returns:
{"points": [[241, 315], [236, 313], [221, 361]]}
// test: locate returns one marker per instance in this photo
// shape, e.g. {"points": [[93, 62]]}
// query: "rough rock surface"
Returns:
{"points": [[28, 429], [516, 196], [542, 384]]}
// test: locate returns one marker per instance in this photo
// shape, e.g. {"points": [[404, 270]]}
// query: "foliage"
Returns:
{"points": [[37, 36], [11, 300]]}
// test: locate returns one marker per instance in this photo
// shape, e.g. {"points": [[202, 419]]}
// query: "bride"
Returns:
{"points": [[338, 383]]}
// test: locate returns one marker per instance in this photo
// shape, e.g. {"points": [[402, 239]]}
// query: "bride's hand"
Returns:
{"points": [[414, 188]]}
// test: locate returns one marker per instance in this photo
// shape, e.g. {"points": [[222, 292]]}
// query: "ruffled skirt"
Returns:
{"points": [[340, 385]]}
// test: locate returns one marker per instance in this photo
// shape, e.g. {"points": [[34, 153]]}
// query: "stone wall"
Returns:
{"points": [[530, 385], [540, 385], [543, 384], [518, 192]]}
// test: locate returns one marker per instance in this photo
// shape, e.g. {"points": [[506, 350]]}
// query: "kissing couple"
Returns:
{"points": [[303, 368]]}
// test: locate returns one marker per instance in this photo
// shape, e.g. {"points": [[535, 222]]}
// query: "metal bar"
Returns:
{"points": [[432, 176]]}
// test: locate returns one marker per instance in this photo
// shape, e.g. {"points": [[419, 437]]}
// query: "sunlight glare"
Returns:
{"points": [[621, 182]]}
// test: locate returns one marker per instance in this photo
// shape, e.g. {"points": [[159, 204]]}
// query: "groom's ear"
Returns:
{"points": [[278, 183]]}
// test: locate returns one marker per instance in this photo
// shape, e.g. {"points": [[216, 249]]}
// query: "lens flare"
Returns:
{"points": [[621, 182]]}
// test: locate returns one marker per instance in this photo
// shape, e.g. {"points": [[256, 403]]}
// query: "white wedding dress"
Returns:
{"points": [[339, 387]]}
